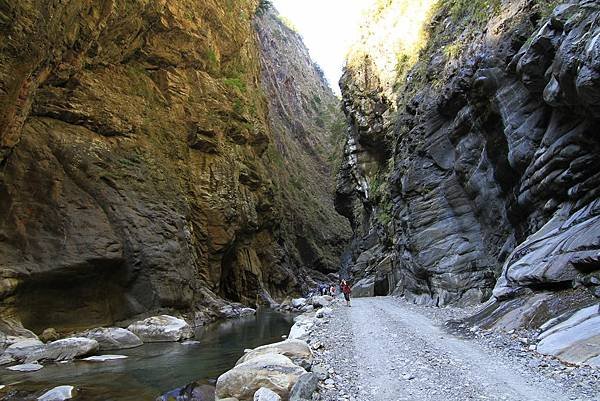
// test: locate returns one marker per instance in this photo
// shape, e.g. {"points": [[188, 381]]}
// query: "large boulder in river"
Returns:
{"points": [[273, 371], [161, 328], [64, 350], [574, 340], [298, 351], [111, 338], [20, 349]]}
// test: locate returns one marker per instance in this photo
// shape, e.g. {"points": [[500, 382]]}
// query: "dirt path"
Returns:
{"points": [[384, 350]]}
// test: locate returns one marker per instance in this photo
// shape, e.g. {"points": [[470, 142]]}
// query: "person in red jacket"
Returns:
{"points": [[346, 290]]}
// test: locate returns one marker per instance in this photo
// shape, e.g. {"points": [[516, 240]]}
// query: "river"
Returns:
{"points": [[153, 369]]}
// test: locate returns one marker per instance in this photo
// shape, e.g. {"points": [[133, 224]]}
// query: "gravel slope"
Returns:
{"points": [[383, 349]]}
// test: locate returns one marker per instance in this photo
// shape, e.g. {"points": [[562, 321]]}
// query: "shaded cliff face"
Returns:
{"points": [[308, 128], [138, 166], [479, 164]]}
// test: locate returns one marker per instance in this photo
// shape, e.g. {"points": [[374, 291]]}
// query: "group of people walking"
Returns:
{"points": [[345, 288]]}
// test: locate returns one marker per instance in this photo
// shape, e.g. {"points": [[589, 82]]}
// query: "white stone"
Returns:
{"points": [[299, 302], [26, 367], [301, 329], [324, 312], [59, 393], [265, 394], [161, 328], [191, 342], [104, 358]]}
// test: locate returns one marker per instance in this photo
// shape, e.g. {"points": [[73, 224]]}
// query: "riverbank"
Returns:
{"points": [[153, 368]]}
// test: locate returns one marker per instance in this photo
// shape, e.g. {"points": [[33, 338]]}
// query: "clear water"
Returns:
{"points": [[153, 369]]}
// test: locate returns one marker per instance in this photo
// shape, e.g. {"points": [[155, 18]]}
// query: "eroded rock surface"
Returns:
{"points": [[480, 164], [142, 162]]}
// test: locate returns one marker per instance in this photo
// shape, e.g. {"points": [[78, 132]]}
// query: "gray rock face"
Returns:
{"points": [[575, 340], [487, 177], [111, 338]]}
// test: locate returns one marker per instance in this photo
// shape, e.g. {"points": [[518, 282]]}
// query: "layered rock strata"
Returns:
{"points": [[480, 163]]}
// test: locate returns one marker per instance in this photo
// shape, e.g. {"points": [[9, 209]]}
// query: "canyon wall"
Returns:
{"points": [[471, 167], [144, 165]]}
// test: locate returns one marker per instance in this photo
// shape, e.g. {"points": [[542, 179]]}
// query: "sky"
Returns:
{"points": [[328, 27]]}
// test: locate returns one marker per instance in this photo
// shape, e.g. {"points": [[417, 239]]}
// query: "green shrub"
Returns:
{"points": [[235, 82], [478, 11]]}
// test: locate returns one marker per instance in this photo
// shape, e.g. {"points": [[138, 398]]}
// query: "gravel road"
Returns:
{"points": [[383, 349]]}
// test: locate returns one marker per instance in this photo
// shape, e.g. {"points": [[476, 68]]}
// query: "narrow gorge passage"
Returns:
{"points": [[388, 350]]}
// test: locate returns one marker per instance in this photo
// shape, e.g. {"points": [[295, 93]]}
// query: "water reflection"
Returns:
{"points": [[156, 368]]}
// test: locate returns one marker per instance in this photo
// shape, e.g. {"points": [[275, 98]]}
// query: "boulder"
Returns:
{"points": [[273, 371], [322, 301], [324, 312], [59, 393], [111, 338], [64, 350], [304, 387], [49, 334], [575, 340], [26, 367], [299, 302], [298, 351], [23, 347], [161, 328], [264, 394], [302, 327], [234, 311], [307, 308]]}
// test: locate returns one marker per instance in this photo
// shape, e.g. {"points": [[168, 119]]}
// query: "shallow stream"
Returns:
{"points": [[154, 369]]}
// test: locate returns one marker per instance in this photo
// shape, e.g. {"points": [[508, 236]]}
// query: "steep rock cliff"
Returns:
{"points": [[138, 166], [476, 167]]}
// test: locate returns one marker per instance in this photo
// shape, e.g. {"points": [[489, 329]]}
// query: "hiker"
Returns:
{"points": [[346, 290], [332, 290]]}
